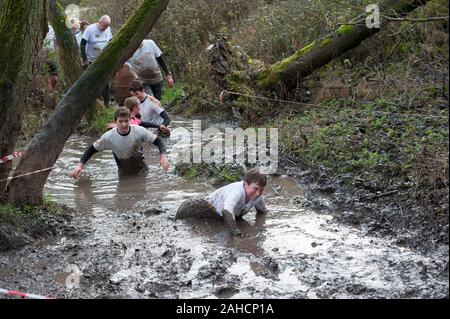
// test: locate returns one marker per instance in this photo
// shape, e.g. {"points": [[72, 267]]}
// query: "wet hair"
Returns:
{"points": [[121, 111], [135, 86], [254, 176], [83, 25], [131, 102]]}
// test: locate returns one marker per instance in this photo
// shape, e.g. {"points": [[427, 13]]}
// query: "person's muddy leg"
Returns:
{"points": [[196, 208], [157, 90]]}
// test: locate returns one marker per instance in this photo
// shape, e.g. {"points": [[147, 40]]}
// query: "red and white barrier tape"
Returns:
{"points": [[31, 173], [10, 157], [22, 294]]}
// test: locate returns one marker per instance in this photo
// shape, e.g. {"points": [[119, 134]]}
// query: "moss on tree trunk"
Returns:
{"points": [[285, 74], [23, 25], [68, 48]]}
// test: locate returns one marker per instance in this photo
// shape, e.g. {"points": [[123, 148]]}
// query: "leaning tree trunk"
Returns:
{"points": [[44, 149], [23, 26], [286, 74], [68, 48]]}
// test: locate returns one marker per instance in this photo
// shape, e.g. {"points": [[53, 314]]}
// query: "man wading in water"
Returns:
{"points": [[126, 142], [230, 202]]}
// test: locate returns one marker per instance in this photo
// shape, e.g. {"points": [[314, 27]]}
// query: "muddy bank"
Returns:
{"points": [[22, 226], [381, 210]]}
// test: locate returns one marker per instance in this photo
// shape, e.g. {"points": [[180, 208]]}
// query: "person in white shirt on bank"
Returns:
{"points": [[95, 38]]}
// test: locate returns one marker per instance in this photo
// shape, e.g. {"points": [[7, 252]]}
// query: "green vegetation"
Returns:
{"points": [[20, 224], [101, 119], [367, 140], [20, 217], [221, 173], [189, 171], [226, 174], [10, 214], [172, 95]]}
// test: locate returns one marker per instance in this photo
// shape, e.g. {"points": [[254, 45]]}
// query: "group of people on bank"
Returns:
{"points": [[142, 120]]}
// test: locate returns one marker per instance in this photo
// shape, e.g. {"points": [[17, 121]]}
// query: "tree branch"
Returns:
{"points": [[445, 18]]}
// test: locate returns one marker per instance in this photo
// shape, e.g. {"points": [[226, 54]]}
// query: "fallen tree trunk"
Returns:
{"points": [[286, 74], [44, 149]]}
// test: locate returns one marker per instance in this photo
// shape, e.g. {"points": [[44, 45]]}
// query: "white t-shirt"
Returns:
{"points": [[232, 198], [144, 63], [97, 40], [50, 39], [150, 111], [125, 146], [78, 37]]}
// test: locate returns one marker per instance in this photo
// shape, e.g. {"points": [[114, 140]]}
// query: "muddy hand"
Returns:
{"points": [[170, 81], [164, 129], [164, 163], [77, 170]]}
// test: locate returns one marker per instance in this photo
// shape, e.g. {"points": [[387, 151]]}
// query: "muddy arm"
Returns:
{"points": [[261, 207], [231, 223]]}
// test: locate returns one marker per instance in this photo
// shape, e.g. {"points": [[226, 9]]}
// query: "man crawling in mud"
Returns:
{"points": [[230, 202], [126, 142]]}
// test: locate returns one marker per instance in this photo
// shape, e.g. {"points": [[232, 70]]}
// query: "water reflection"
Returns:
{"points": [[83, 195], [130, 190]]}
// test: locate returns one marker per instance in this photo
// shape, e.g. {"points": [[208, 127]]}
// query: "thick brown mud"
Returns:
{"points": [[128, 244]]}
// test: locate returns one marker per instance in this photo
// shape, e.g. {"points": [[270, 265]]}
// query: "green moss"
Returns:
{"points": [[367, 160], [50, 205], [273, 74], [345, 28], [325, 42], [281, 66]]}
